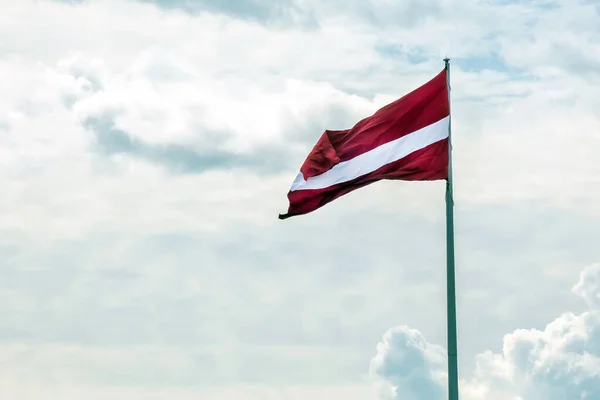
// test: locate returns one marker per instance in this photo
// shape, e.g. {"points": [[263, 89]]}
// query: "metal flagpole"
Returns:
{"points": [[450, 278]]}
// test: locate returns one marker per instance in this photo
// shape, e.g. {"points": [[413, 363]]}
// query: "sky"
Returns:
{"points": [[147, 147]]}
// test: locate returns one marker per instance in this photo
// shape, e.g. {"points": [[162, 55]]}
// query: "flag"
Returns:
{"points": [[405, 140]]}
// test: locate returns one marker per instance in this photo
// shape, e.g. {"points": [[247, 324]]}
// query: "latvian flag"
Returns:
{"points": [[405, 140]]}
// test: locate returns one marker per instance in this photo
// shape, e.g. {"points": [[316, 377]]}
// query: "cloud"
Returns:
{"points": [[561, 361], [588, 286], [408, 367], [288, 11], [179, 158]]}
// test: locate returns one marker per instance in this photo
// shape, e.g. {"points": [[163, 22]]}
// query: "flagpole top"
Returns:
{"points": [[446, 60]]}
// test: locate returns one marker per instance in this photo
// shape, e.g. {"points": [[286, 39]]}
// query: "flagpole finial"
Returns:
{"points": [[447, 60]]}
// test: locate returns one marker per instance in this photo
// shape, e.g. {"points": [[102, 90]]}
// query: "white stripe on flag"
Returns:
{"points": [[374, 159]]}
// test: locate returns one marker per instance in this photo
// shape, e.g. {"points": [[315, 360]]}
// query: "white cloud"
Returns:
{"points": [[407, 367], [561, 361]]}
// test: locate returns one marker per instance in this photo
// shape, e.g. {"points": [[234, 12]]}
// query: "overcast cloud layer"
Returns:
{"points": [[146, 148]]}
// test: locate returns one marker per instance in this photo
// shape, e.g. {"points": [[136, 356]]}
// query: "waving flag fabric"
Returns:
{"points": [[405, 140]]}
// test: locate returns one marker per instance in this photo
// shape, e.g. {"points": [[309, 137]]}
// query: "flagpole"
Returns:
{"points": [[450, 274]]}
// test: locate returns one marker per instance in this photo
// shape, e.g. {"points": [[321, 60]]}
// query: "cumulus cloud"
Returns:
{"points": [[561, 361], [408, 367]]}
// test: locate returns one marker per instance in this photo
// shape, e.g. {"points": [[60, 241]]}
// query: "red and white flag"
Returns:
{"points": [[405, 140]]}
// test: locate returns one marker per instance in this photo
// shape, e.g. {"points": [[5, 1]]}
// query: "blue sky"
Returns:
{"points": [[147, 148]]}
